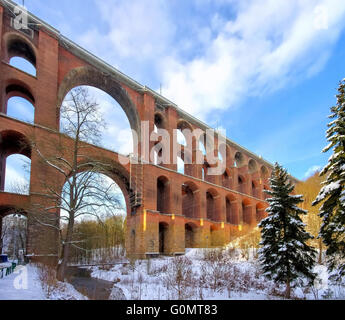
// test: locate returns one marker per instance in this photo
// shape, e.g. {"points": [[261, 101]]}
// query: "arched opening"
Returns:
{"points": [[241, 213], [181, 139], [163, 238], [159, 121], [226, 179], [163, 198], [15, 163], [190, 235], [202, 145], [260, 212], [190, 200], [19, 89], [184, 135], [157, 155], [180, 165], [205, 168], [252, 166], [21, 109], [17, 176], [247, 212], [13, 233], [21, 54], [220, 157], [255, 189], [264, 173], [206, 144], [224, 153], [230, 210], [209, 177], [23, 65], [239, 160], [213, 237], [19, 102], [118, 133], [115, 129], [241, 184], [95, 207], [212, 206]]}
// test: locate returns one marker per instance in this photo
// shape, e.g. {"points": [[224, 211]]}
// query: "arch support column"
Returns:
{"points": [[2, 172], [235, 213], [249, 215], [222, 206]]}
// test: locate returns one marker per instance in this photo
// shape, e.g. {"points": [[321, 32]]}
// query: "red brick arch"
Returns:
{"points": [[18, 45], [89, 76]]}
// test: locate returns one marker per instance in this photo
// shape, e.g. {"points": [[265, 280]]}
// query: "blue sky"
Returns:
{"points": [[264, 70]]}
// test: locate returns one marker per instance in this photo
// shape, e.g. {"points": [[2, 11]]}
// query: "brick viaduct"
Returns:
{"points": [[166, 211]]}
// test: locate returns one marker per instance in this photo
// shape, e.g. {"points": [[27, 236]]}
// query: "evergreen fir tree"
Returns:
{"points": [[332, 194], [284, 254]]}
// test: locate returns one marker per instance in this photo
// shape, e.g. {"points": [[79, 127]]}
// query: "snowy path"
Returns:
{"points": [[23, 284]]}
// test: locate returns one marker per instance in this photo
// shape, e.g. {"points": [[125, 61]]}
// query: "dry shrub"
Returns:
{"points": [[47, 276], [158, 270], [250, 242], [179, 278], [106, 267], [214, 270], [244, 280], [232, 253], [277, 291]]}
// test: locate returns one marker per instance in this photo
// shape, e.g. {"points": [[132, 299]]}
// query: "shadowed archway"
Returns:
{"points": [[88, 76]]}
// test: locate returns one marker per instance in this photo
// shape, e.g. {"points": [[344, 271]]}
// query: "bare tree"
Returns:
{"points": [[86, 191], [4, 229], [13, 237]]}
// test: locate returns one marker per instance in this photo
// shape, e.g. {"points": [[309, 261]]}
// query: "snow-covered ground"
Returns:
{"points": [[240, 280], [25, 284], [199, 275]]}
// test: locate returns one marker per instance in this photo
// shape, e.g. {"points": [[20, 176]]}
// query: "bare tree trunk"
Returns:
{"points": [[65, 253], [320, 251]]}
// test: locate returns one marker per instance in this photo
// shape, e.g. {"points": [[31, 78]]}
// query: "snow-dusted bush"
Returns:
{"points": [[178, 278], [157, 269], [47, 276], [214, 270]]}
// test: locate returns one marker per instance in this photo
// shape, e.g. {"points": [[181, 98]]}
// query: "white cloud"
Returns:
{"points": [[269, 44], [311, 171], [138, 34], [264, 46], [133, 23]]}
